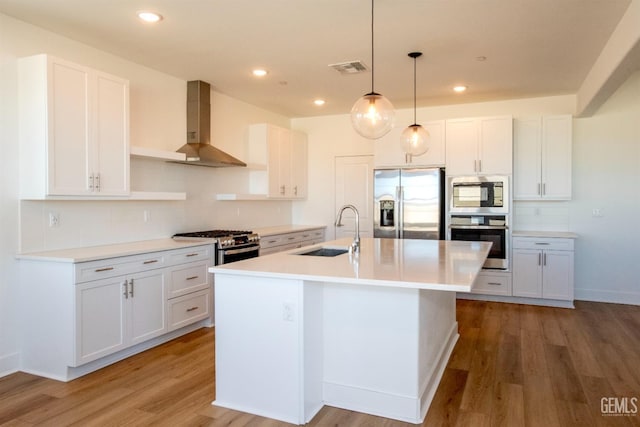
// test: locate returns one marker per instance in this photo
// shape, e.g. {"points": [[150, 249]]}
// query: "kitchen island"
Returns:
{"points": [[370, 332]]}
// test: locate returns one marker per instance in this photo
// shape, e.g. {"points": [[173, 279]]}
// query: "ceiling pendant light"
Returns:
{"points": [[372, 116], [415, 138]]}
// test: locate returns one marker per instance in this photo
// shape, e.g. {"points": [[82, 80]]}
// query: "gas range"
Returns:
{"points": [[231, 245]]}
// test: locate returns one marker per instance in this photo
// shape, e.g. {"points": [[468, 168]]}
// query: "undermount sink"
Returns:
{"points": [[326, 252]]}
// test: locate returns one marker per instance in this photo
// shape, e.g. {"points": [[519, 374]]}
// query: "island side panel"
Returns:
{"points": [[438, 336], [259, 352], [371, 336]]}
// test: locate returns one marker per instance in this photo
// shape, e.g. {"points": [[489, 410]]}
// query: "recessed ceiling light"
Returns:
{"points": [[459, 89], [259, 72], [147, 16], [318, 102]]}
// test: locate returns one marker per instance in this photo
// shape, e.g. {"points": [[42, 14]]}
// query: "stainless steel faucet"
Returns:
{"points": [[355, 245]]}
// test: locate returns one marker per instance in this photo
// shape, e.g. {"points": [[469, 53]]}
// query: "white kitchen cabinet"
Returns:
{"points": [[285, 241], [278, 159], [542, 158], [493, 283], [116, 313], [479, 146], [74, 130], [82, 316], [543, 268], [388, 149]]}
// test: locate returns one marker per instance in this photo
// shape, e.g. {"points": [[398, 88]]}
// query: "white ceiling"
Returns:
{"points": [[532, 47]]}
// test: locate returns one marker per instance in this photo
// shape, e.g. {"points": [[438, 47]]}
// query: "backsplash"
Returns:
{"points": [[541, 216], [90, 223]]}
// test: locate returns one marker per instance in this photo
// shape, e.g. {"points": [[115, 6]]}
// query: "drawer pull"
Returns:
{"points": [[291, 238], [98, 270], [150, 261], [192, 277], [494, 283], [193, 308], [190, 255], [272, 241], [542, 243], [304, 236]]}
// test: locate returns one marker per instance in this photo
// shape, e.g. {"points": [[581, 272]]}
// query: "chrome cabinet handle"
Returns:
{"points": [[98, 270], [542, 243], [190, 255], [544, 188], [282, 188], [479, 165], [539, 259], [126, 290], [295, 190], [91, 182], [97, 182], [539, 193], [193, 308], [493, 283], [131, 290], [192, 277], [150, 261], [544, 259]]}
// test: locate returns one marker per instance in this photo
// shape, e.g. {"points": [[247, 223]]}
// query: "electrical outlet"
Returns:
{"points": [[146, 215], [596, 213], [54, 219], [288, 312]]}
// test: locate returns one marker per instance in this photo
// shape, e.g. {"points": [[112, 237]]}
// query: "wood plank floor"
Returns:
{"points": [[514, 365]]}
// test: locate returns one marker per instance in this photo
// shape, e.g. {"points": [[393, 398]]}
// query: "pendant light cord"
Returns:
{"points": [[372, 57], [414, 90]]}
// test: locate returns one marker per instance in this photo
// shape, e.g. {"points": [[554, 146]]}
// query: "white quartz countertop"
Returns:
{"points": [[551, 234], [94, 253], [283, 229], [418, 264]]}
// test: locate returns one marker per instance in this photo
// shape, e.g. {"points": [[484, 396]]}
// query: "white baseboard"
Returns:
{"points": [[516, 300], [616, 297], [9, 364]]}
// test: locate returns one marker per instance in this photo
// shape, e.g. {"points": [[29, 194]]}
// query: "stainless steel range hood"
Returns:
{"points": [[198, 148]]}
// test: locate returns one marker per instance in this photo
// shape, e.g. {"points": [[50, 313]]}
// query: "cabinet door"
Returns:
{"points": [[100, 318], [556, 157], [284, 164], [147, 299], [354, 185], [111, 133], [527, 159], [461, 146], [557, 275], [496, 145], [69, 128], [299, 147], [527, 273]]}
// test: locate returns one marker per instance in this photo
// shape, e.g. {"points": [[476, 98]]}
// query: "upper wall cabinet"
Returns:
{"points": [[542, 157], [388, 149], [74, 130], [279, 159], [479, 146]]}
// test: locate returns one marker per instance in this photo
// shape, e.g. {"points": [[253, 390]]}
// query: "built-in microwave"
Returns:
{"points": [[479, 194]]}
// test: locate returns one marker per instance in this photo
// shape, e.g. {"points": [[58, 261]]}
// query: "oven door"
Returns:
{"points": [[237, 253], [499, 254]]}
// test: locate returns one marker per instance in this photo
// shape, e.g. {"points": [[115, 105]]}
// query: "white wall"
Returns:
{"points": [[158, 109], [606, 175]]}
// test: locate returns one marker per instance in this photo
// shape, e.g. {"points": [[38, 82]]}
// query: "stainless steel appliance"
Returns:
{"points": [[231, 245], [408, 204], [479, 194], [484, 228]]}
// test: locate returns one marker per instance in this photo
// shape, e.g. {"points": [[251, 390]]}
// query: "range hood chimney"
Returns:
{"points": [[198, 148]]}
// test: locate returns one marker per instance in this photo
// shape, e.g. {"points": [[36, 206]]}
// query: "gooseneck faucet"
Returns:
{"points": [[355, 245]]}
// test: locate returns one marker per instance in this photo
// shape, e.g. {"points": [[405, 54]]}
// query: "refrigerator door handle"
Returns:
{"points": [[400, 204]]}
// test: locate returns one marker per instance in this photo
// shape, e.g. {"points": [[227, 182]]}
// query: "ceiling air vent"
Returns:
{"points": [[351, 67]]}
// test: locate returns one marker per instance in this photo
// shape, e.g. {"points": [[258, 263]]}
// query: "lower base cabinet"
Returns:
{"points": [[82, 314], [285, 241], [543, 268], [493, 283]]}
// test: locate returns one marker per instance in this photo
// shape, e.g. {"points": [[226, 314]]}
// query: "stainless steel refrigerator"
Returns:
{"points": [[409, 204]]}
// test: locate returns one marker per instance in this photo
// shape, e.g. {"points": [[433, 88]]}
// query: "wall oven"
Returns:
{"points": [[479, 194], [484, 228]]}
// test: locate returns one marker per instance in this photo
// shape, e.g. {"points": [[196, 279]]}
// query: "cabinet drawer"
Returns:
{"points": [[188, 278], [558, 244], [189, 309], [271, 241], [492, 284], [196, 253], [103, 269]]}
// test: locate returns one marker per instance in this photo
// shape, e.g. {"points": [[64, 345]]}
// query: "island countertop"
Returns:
{"points": [[419, 264]]}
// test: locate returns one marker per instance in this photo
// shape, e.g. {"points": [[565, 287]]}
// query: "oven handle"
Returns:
{"points": [[240, 251], [479, 227]]}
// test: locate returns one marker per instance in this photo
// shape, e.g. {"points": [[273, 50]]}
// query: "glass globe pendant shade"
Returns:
{"points": [[415, 140], [372, 116]]}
